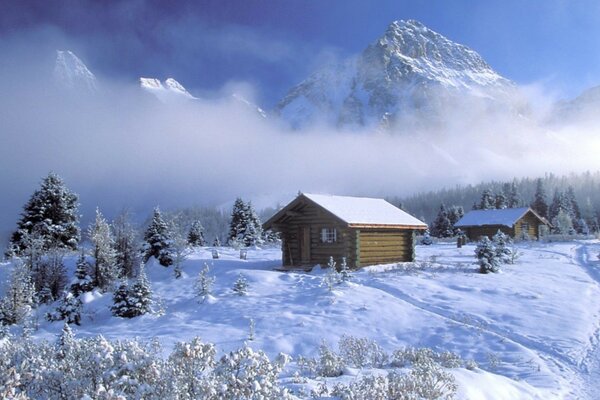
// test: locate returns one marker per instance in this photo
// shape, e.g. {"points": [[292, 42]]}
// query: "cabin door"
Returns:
{"points": [[305, 244]]}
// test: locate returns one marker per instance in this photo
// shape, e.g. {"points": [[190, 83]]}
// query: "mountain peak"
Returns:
{"points": [[168, 91], [72, 73], [409, 70]]}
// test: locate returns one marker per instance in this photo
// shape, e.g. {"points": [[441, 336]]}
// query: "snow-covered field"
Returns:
{"points": [[533, 328]]}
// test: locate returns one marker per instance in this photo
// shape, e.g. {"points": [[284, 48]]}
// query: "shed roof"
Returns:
{"points": [[506, 217], [361, 211]]}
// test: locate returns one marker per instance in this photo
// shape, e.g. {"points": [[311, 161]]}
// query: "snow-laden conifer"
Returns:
{"points": [[19, 298], [158, 241], [486, 256], [195, 236], [83, 281], [52, 212], [105, 270], [240, 286], [68, 309]]}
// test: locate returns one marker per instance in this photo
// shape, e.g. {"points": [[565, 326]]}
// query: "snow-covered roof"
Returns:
{"points": [[365, 211], [507, 217]]}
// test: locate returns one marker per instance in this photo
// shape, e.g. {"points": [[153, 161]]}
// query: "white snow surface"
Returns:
{"points": [[364, 210], [533, 328], [507, 217]]}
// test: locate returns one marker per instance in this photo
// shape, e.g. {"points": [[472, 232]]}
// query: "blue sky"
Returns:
{"points": [[275, 44]]}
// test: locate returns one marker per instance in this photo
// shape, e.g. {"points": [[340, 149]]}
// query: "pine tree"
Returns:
{"points": [[83, 282], [513, 198], [455, 213], [195, 237], [500, 201], [486, 255], [344, 271], [68, 310], [574, 210], [501, 241], [140, 295], [158, 240], [563, 224], [19, 297], [240, 286], [487, 200], [127, 256], [441, 226], [121, 305], [245, 227], [52, 213], [540, 204], [216, 242], [204, 283], [105, 268]]}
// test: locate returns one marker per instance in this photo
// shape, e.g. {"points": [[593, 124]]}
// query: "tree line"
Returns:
{"points": [[48, 230]]}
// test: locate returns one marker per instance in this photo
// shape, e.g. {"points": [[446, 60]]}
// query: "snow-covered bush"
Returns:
{"points": [[330, 363], [408, 356], [426, 240], [249, 374], [69, 310], [188, 370], [344, 271], [204, 283], [332, 277], [19, 298], [362, 352], [240, 286], [486, 256]]}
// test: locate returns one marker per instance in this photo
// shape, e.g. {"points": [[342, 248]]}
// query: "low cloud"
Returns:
{"points": [[122, 148]]}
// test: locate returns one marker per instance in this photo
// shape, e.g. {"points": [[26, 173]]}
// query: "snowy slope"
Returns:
{"points": [[168, 91], [411, 70], [533, 328]]}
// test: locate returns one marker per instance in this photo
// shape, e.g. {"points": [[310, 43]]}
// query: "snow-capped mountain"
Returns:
{"points": [[70, 72], [410, 69], [168, 91]]}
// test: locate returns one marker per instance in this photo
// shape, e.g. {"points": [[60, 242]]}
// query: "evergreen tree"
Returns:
{"points": [[441, 226], [245, 227], [540, 204], [68, 310], [486, 255], [563, 223], [501, 241], [83, 282], [105, 268], [455, 213], [121, 305], [216, 242], [52, 213], [19, 297], [140, 295], [487, 201], [574, 211], [158, 240], [513, 197], [195, 235], [240, 286], [500, 201], [127, 256], [204, 283]]}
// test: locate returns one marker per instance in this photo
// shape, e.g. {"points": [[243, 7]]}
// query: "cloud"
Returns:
{"points": [[122, 148]]}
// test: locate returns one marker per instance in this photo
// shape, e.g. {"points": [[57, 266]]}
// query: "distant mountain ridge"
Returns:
{"points": [[410, 69], [71, 73]]}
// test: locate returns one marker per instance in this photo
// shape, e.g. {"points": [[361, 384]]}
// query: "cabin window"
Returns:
{"points": [[525, 227], [328, 235]]}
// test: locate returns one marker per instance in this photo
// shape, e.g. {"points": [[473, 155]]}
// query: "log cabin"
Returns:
{"points": [[365, 231], [515, 222]]}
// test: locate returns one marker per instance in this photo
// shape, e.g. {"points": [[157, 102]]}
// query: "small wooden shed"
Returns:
{"points": [[511, 221], [366, 231]]}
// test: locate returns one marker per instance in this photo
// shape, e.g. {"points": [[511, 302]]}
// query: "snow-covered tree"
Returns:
{"points": [[126, 244], [204, 283], [240, 286], [486, 256], [563, 223], [500, 201], [441, 226], [83, 281], [195, 237], [245, 227], [69, 310], [216, 242], [105, 270], [487, 201], [19, 298], [344, 270], [121, 305], [158, 241], [501, 243], [540, 203], [49, 275], [427, 241], [140, 295], [513, 197], [455, 213], [51, 212]]}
